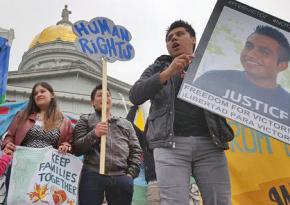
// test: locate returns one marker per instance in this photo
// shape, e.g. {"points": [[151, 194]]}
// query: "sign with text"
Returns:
{"points": [[259, 168], [43, 176], [101, 38], [240, 69]]}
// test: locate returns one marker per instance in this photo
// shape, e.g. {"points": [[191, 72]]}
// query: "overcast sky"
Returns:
{"points": [[146, 20]]}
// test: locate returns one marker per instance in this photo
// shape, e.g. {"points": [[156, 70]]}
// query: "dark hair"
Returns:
{"points": [[279, 37], [98, 87], [183, 24], [52, 116]]}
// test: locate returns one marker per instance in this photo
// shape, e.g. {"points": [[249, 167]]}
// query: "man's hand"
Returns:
{"points": [[101, 129], [178, 64]]}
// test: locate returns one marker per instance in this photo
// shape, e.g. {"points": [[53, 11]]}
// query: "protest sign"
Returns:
{"points": [[259, 168], [43, 176], [101, 39], [240, 69]]}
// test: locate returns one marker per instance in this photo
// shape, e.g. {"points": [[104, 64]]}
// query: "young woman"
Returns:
{"points": [[41, 124]]}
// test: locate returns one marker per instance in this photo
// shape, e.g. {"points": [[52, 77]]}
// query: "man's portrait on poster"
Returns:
{"points": [[245, 63]]}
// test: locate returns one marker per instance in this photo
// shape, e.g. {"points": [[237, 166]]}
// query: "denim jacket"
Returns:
{"points": [[162, 96]]}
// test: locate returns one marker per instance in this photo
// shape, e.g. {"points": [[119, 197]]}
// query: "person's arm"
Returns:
{"points": [[8, 142], [66, 132], [147, 86], [4, 162], [135, 152], [84, 139], [155, 77]]}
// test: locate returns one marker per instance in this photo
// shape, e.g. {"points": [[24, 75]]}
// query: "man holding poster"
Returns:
{"points": [[187, 140], [266, 53], [123, 156]]}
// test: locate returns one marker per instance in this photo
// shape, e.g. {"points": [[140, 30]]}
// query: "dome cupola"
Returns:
{"points": [[53, 48]]}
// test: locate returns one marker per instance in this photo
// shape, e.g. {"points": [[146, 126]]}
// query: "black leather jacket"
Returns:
{"points": [[160, 120]]}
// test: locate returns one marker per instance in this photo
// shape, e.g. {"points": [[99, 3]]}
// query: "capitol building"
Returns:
{"points": [[53, 57]]}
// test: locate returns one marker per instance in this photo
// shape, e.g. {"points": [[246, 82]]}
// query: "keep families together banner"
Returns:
{"points": [[43, 176]]}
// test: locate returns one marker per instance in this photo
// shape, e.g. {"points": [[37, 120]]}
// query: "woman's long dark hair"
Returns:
{"points": [[52, 117]]}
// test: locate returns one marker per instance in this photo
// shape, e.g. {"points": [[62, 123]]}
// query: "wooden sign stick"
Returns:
{"points": [[104, 116]]}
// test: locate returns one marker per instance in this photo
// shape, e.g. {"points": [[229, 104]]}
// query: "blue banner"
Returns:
{"points": [[4, 62], [7, 113]]}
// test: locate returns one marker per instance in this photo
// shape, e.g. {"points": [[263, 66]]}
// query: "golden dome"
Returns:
{"points": [[61, 32]]}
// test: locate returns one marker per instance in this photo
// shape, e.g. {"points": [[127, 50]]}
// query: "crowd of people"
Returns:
{"points": [[180, 139]]}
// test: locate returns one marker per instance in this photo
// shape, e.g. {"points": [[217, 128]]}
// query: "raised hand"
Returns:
{"points": [[176, 67]]}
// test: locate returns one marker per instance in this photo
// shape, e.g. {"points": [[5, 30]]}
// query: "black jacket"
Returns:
{"points": [[162, 96], [149, 166]]}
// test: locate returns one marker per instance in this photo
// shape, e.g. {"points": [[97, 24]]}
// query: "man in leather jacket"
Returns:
{"points": [[122, 160], [187, 140]]}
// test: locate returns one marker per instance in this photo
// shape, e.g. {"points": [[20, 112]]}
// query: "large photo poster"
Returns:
{"points": [[240, 69], [43, 176]]}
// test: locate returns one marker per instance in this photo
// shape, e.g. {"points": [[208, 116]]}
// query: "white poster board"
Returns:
{"points": [[240, 70], [43, 176]]}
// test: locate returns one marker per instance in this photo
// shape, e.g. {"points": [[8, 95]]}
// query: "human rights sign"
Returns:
{"points": [[101, 38], [43, 176], [241, 69]]}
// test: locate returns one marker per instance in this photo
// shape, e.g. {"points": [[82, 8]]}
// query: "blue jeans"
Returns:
{"points": [[93, 187], [197, 156]]}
